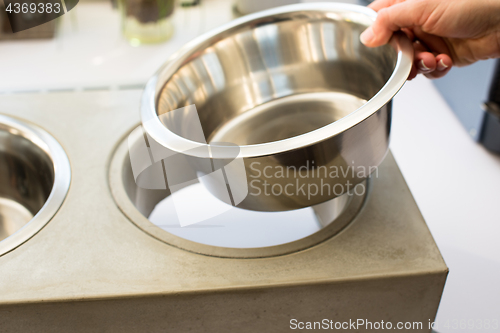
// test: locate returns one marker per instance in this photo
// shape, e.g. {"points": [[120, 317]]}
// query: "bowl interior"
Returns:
{"points": [[26, 178], [279, 78]]}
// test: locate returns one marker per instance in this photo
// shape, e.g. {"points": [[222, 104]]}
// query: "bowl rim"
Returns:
{"points": [[157, 131], [60, 187]]}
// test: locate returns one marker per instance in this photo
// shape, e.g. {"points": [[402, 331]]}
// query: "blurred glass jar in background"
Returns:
{"points": [[245, 7], [147, 21]]}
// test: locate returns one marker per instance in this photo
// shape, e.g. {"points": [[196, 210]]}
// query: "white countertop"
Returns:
{"points": [[455, 182]]}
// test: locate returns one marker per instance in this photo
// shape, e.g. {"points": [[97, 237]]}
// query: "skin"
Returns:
{"points": [[445, 33]]}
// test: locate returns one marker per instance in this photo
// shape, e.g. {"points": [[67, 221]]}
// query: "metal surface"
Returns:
{"points": [[292, 86], [237, 233], [490, 130], [34, 180], [91, 269]]}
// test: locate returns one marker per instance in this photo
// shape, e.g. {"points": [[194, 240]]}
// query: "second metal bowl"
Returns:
{"points": [[34, 180]]}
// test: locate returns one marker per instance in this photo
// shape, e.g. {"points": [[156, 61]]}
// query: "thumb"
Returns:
{"points": [[390, 19]]}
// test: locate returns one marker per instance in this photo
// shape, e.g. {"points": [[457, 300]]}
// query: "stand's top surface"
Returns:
{"points": [[90, 250]]}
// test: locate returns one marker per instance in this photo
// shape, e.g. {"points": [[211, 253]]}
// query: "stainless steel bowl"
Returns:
{"points": [[292, 87], [34, 180]]}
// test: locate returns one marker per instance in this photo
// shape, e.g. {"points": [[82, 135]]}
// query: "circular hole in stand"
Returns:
{"points": [[236, 232], [34, 179]]}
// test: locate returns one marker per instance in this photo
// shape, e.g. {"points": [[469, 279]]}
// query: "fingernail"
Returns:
{"points": [[422, 66], [441, 66], [367, 36]]}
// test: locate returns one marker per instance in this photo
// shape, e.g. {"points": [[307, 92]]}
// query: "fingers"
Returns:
{"points": [[409, 33], [432, 55], [443, 66], [427, 63], [433, 43], [423, 60], [444, 62], [390, 19]]}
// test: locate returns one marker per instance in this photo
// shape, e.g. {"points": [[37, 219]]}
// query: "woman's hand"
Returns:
{"points": [[444, 32]]}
